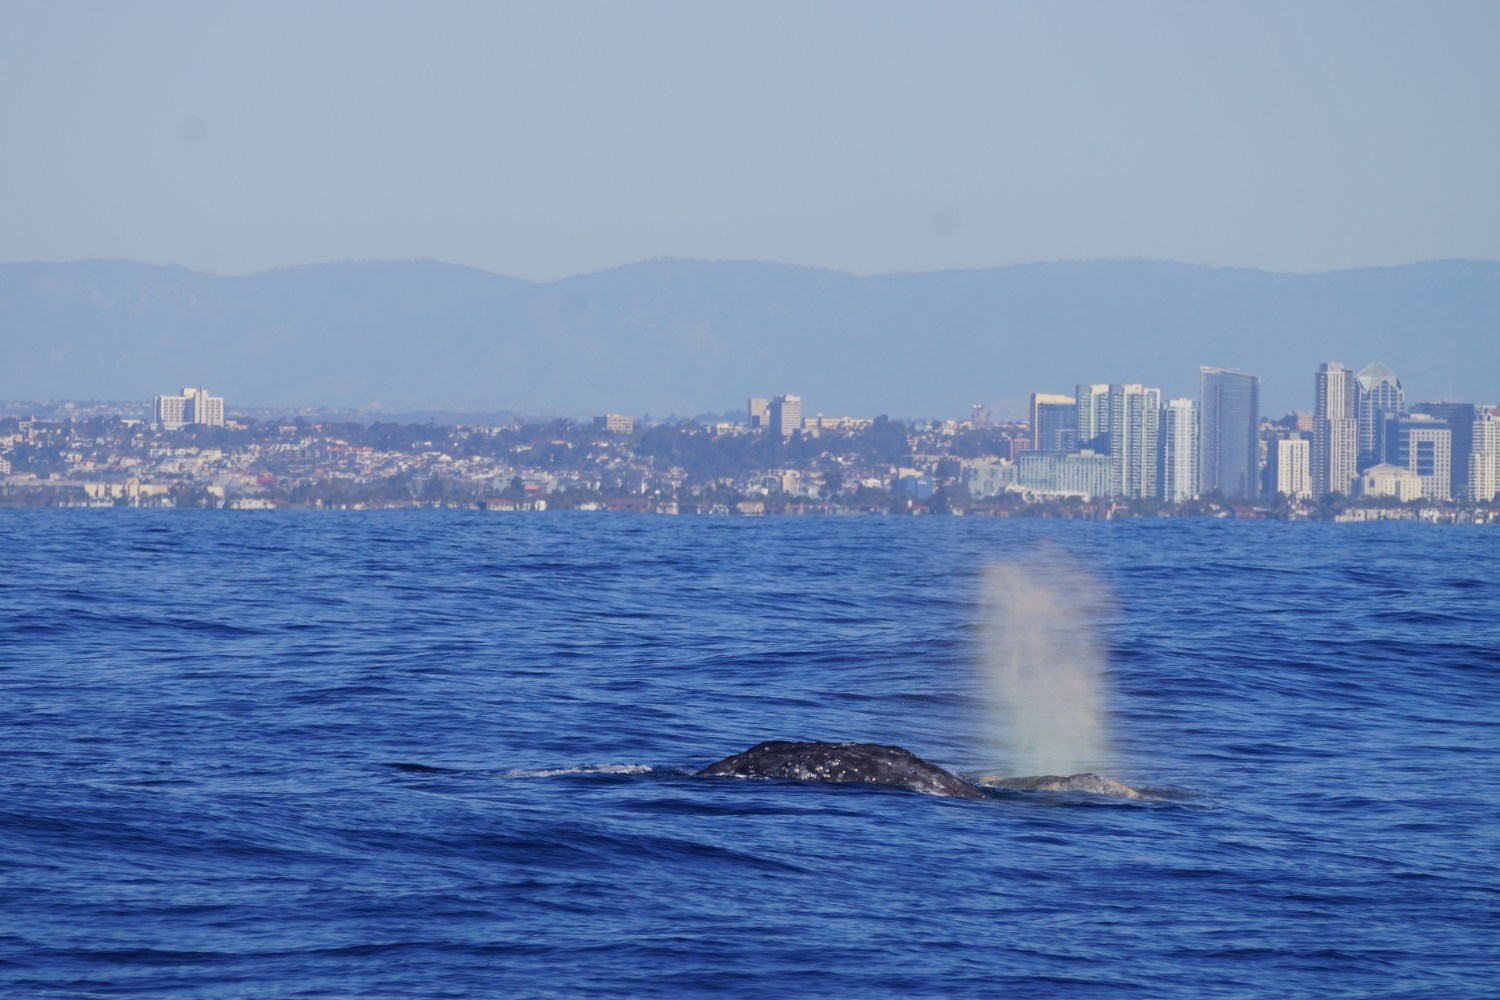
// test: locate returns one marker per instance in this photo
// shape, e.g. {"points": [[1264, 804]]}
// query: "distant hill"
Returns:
{"points": [[684, 337]]}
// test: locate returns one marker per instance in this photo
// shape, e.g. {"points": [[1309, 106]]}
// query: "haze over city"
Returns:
{"points": [[615, 170]]}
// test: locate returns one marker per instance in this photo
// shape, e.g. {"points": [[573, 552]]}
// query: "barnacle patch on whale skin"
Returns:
{"points": [[843, 763]]}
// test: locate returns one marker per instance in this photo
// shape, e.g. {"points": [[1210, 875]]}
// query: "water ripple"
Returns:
{"points": [[446, 754]]}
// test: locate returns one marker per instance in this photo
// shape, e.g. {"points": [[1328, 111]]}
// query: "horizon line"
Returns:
{"points": [[754, 261]]}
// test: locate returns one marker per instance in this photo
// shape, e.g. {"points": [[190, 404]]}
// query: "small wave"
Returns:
{"points": [[552, 772], [411, 768]]}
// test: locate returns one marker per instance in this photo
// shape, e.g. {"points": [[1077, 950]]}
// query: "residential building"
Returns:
{"points": [[1179, 451], [1335, 442], [169, 411], [786, 415], [1092, 431], [1288, 465], [1054, 422], [191, 406], [1484, 456], [1423, 444], [913, 485], [1460, 418], [1229, 434], [821, 423], [615, 423], [1134, 440], [1380, 397], [1084, 473], [760, 413], [987, 479]]}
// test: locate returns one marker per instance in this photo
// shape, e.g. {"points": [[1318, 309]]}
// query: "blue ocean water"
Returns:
{"points": [[436, 753]]}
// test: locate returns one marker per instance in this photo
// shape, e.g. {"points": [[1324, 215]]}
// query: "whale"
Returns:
{"points": [[844, 764], [1092, 783], [874, 764]]}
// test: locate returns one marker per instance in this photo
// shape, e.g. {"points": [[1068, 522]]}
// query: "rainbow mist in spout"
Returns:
{"points": [[1044, 666]]}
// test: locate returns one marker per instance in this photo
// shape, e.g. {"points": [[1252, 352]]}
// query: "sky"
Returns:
{"points": [[542, 140]]}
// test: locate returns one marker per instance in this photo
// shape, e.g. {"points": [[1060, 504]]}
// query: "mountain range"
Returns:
{"points": [[682, 337]]}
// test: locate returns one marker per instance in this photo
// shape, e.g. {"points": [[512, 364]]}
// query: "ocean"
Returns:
{"points": [[450, 754]]}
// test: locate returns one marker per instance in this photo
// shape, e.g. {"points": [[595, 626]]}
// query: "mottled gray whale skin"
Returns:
{"points": [[1091, 783], [843, 763]]}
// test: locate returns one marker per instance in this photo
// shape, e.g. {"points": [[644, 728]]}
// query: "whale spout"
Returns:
{"points": [[843, 763]]}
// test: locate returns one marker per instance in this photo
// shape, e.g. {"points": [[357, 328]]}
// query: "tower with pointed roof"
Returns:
{"points": [[1381, 398]]}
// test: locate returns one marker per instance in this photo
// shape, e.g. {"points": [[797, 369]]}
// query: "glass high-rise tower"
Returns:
{"points": [[1229, 433], [1381, 398]]}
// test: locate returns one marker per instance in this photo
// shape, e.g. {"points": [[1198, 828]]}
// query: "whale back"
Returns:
{"points": [[1093, 783], [843, 763]]}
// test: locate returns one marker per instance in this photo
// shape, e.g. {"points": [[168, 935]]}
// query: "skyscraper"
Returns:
{"points": [[1134, 445], [1380, 398], [786, 415], [1054, 422], [1093, 417], [1460, 418], [1229, 444], [1484, 455], [1179, 451], [1335, 444], [1424, 444]]}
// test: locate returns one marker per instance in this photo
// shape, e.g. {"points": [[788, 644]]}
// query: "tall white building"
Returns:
{"points": [[192, 406], [1288, 458], [1179, 451], [1335, 443], [1134, 440], [1092, 402], [1484, 456], [786, 415]]}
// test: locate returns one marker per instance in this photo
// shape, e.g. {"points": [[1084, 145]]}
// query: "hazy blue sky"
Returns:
{"points": [[543, 140]]}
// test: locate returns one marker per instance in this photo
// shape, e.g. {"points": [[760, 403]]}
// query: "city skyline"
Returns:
{"points": [[1109, 441], [614, 190], [1359, 438]]}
